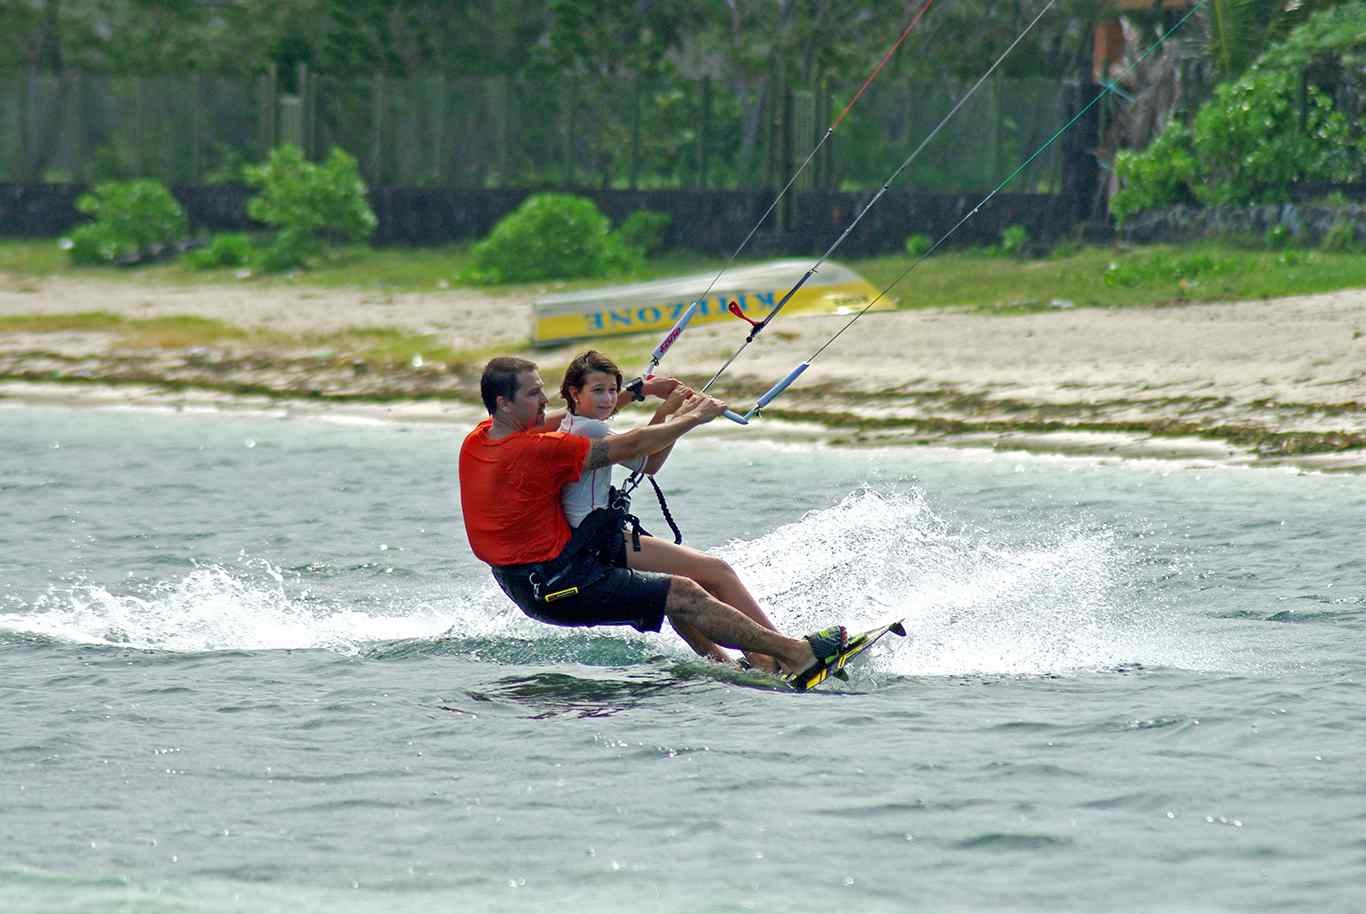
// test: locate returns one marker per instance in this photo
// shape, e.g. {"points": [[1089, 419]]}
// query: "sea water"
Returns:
{"points": [[249, 665]]}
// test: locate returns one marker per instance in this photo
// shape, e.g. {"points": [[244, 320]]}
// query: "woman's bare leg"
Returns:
{"points": [[715, 575]]}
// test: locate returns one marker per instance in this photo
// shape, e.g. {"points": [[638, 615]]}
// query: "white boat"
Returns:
{"points": [[655, 306]]}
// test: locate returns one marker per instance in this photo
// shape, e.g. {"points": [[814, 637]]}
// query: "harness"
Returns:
{"points": [[590, 554]]}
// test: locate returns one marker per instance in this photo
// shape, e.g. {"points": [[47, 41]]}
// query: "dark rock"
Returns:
{"points": [[1306, 223]]}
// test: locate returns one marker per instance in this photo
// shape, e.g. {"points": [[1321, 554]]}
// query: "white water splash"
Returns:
{"points": [[1059, 603], [214, 608], [1062, 602]]}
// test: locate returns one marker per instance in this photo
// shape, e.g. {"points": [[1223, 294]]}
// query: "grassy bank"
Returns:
{"points": [[1115, 277], [1086, 277], [376, 346]]}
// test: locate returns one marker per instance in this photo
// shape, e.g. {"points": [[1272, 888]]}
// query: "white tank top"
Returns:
{"points": [[591, 489]]}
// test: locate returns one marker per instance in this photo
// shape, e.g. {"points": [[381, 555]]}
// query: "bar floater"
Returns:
{"points": [[770, 396]]}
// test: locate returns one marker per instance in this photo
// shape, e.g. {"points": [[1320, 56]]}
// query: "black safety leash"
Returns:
{"points": [[664, 509]]}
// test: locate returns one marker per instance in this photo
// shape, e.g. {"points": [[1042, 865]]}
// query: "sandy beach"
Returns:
{"points": [[1279, 382]]}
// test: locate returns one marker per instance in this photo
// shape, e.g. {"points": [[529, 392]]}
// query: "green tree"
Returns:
{"points": [[1238, 31], [308, 204], [408, 38], [1291, 117]]}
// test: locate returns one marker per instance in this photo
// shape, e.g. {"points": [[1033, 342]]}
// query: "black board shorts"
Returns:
{"points": [[617, 595]]}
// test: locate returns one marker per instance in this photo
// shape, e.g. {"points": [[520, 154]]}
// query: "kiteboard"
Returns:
{"points": [[857, 644]]}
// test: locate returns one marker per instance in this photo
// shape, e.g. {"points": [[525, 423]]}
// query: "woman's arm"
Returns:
{"points": [[665, 410]]}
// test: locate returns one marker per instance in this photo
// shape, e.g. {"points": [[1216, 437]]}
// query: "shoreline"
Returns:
{"points": [[1278, 383], [1182, 452]]}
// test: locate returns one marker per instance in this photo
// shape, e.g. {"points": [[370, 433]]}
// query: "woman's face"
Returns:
{"points": [[597, 398]]}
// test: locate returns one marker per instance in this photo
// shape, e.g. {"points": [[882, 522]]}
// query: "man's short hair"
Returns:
{"points": [[500, 380]]}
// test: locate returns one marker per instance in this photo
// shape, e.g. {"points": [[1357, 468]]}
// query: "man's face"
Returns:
{"points": [[527, 408]]}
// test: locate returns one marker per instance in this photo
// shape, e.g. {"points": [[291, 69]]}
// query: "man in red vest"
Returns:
{"points": [[511, 474]]}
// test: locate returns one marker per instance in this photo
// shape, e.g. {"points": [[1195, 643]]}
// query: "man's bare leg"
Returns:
{"points": [[725, 625], [700, 643], [719, 580]]}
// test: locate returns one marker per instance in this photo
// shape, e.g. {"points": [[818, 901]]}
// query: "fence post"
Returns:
{"points": [[771, 131], [635, 134], [818, 117], [302, 88], [377, 130], [786, 164], [438, 99], [139, 125], [994, 96], [828, 182], [80, 141], [21, 115], [705, 139], [272, 93], [196, 128], [504, 148], [267, 100], [570, 116]]}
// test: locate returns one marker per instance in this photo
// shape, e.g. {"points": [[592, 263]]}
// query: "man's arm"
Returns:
{"points": [[651, 439]]}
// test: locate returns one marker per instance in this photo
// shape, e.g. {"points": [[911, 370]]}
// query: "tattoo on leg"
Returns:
{"points": [[722, 623]]}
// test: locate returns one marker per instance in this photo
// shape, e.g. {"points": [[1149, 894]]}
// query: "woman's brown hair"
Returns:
{"points": [[581, 368]]}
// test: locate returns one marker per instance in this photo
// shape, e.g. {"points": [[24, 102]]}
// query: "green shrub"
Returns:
{"points": [[309, 204], [644, 231], [230, 250], [1251, 147], [1263, 133], [550, 236], [1341, 237], [918, 245], [1277, 238], [1013, 241], [95, 244], [1162, 267], [1158, 176], [105, 164], [1065, 248], [288, 250], [130, 217], [226, 165]]}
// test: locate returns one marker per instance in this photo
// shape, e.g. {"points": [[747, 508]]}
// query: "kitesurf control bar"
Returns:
{"points": [[770, 396], [635, 385]]}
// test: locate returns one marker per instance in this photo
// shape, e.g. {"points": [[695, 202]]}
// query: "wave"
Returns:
{"points": [[1053, 601], [214, 608]]}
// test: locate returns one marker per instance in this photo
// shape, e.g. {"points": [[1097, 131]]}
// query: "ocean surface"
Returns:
{"points": [[248, 664]]}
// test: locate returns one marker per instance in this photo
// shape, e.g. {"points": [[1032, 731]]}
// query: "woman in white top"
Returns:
{"points": [[590, 389]]}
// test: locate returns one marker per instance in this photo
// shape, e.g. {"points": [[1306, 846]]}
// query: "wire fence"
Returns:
{"points": [[497, 133]]}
